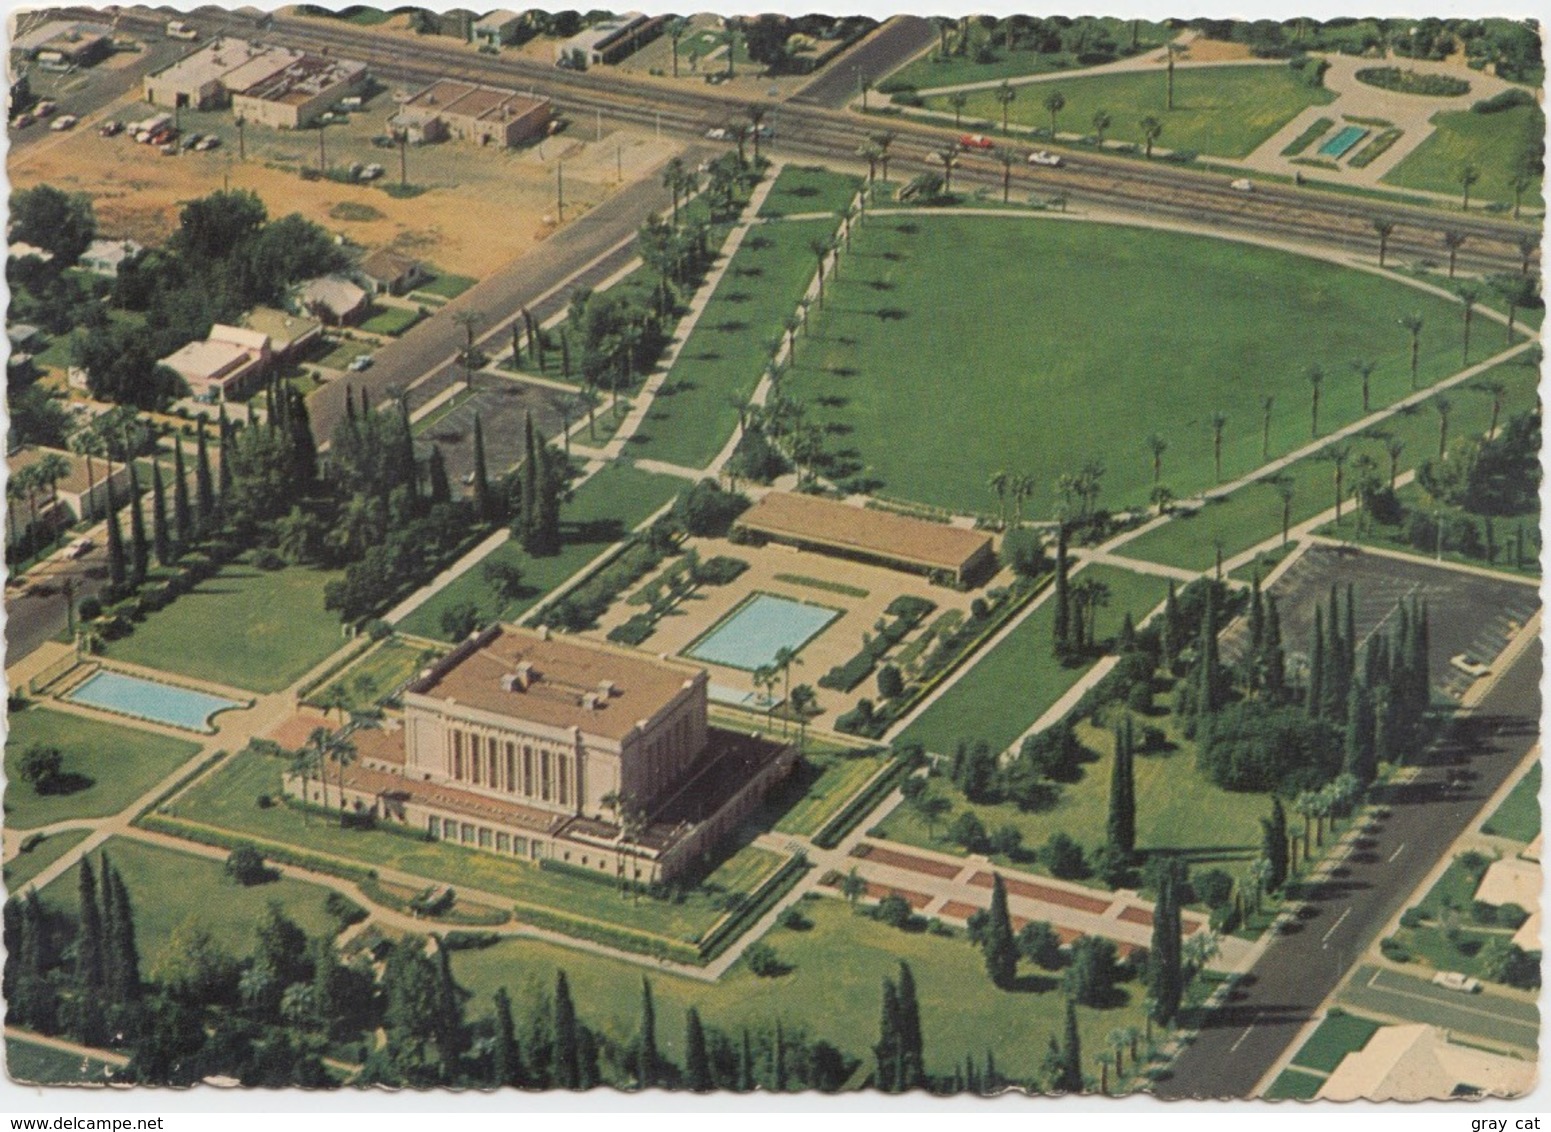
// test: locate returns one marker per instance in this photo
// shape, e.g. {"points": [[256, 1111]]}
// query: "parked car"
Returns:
{"points": [[1457, 981], [23, 120], [1243, 185], [372, 172], [63, 123], [45, 108], [209, 141], [189, 141], [764, 131], [976, 141], [169, 149], [717, 133], [360, 362], [81, 547], [1045, 157], [1469, 667], [110, 129]]}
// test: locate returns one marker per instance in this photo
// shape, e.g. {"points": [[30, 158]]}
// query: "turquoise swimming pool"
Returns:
{"points": [[150, 700], [1342, 142], [750, 636]]}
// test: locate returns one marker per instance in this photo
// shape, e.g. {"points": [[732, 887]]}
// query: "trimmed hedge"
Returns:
{"points": [[610, 935], [272, 850], [760, 901], [1507, 100], [834, 830], [1410, 82]]}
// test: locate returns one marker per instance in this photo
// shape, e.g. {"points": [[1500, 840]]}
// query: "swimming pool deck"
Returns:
{"points": [[756, 629]]}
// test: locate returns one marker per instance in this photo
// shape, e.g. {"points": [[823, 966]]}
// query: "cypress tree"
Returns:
{"points": [[1338, 675], [1000, 945], [646, 1054], [121, 951], [544, 537], [1164, 965], [506, 1068], [1122, 793], [224, 431], [1255, 655], [90, 973], [567, 1057], [911, 1047], [1274, 668], [451, 1033], [1419, 660], [1275, 844], [887, 1052], [159, 535], [1359, 754], [565, 354], [1126, 641], [1169, 633], [350, 406], [182, 530], [118, 568], [436, 474], [1063, 600], [406, 472], [778, 1074], [746, 1065], [481, 478], [139, 548], [528, 518], [1350, 637], [1316, 699], [304, 446], [1209, 696], [204, 488], [697, 1062], [1070, 1080]]}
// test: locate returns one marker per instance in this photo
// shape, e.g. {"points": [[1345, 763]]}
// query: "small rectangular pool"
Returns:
{"points": [[150, 700], [1342, 142], [761, 626]]}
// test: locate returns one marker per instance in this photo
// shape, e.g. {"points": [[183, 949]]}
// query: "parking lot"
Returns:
{"points": [[501, 404]]}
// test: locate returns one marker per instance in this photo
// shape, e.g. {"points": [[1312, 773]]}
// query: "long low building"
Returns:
{"points": [[81, 493], [273, 86], [485, 115], [225, 366], [941, 551], [544, 747]]}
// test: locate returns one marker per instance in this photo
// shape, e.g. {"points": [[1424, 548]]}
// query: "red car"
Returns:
{"points": [[976, 141]]}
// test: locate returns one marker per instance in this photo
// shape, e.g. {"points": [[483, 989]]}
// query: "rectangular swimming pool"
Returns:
{"points": [[761, 626], [1338, 146], [150, 700]]}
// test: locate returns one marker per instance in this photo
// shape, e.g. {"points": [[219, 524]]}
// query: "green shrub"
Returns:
{"points": [[721, 570], [1412, 82], [634, 631], [1507, 100]]}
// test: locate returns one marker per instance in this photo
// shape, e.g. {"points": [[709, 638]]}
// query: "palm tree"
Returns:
{"points": [[998, 482], [1158, 446], [792, 323], [853, 887], [958, 100], [15, 492], [870, 152], [1316, 378], [52, 468], [1267, 402], [1006, 94], [1453, 240], [335, 698], [318, 742], [1101, 123], [1444, 407], [1008, 159], [1152, 129], [1219, 422], [820, 250], [949, 158], [1497, 391], [88, 442], [1413, 324], [1022, 488], [1469, 296], [1468, 176], [1383, 227], [802, 702], [1527, 246], [1170, 50], [1055, 102], [1105, 1060], [1338, 455], [673, 180], [1515, 291], [1365, 481], [676, 28], [883, 140], [1394, 446], [1285, 488], [1162, 498], [765, 678], [343, 752], [784, 659], [1365, 368], [756, 113], [468, 320]]}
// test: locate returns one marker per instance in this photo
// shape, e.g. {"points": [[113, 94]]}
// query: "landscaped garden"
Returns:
{"points": [[245, 627], [1451, 931], [30, 862], [1518, 817], [374, 676], [827, 781], [809, 188], [602, 511], [1221, 111], [1495, 144], [104, 767], [874, 362], [982, 62], [832, 991], [391, 321]]}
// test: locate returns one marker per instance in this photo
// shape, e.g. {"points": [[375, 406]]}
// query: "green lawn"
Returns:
{"points": [[1337, 1036], [832, 992], [113, 765], [1294, 1085], [1448, 905], [809, 188], [837, 780], [1221, 111], [229, 799], [1493, 143], [1011, 686], [603, 510], [376, 674], [41, 1065], [694, 414], [343, 353], [24, 866], [167, 887], [1176, 808], [1040, 298], [1254, 512], [1518, 818], [390, 320], [448, 286], [932, 70], [276, 615]]}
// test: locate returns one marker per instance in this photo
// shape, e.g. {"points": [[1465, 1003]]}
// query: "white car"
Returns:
{"points": [[1045, 157], [1469, 667], [717, 133], [360, 362], [1243, 185], [63, 123], [1457, 981]]}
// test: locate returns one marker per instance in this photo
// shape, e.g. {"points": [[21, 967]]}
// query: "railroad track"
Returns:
{"points": [[805, 131]]}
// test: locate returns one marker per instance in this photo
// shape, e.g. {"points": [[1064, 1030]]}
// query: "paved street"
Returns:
{"points": [[1387, 993], [1241, 1041], [892, 45]]}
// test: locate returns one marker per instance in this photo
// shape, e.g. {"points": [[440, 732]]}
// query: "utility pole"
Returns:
{"points": [[403, 159], [560, 191], [599, 127], [322, 156], [619, 163], [242, 149]]}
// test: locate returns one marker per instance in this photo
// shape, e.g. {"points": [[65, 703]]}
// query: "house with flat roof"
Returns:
{"points": [[276, 86], [608, 41], [334, 299], [104, 257], [486, 115], [82, 493], [809, 522], [64, 43], [298, 94], [387, 272], [531, 744], [498, 28], [289, 334], [1418, 1063], [227, 365]]}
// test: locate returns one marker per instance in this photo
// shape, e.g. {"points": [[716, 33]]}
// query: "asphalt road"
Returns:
{"points": [[87, 91], [885, 50], [1240, 1042], [1485, 1015], [37, 613]]}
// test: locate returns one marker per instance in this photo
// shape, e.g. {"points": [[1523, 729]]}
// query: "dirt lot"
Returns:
{"points": [[137, 191]]}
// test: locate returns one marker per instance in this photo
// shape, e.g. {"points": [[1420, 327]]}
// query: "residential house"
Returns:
{"points": [[334, 299], [227, 365], [289, 334], [104, 257], [389, 273], [82, 493]]}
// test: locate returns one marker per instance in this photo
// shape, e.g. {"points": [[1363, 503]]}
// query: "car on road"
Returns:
{"points": [[1472, 668], [1243, 185], [764, 131], [110, 129], [189, 141], [45, 108], [359, 363], [1045, 157], [468, 479], [22, 120], [81, 547], [717, 133], [63, 123], [1457, 981], [209, 141], [975, 141]]}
